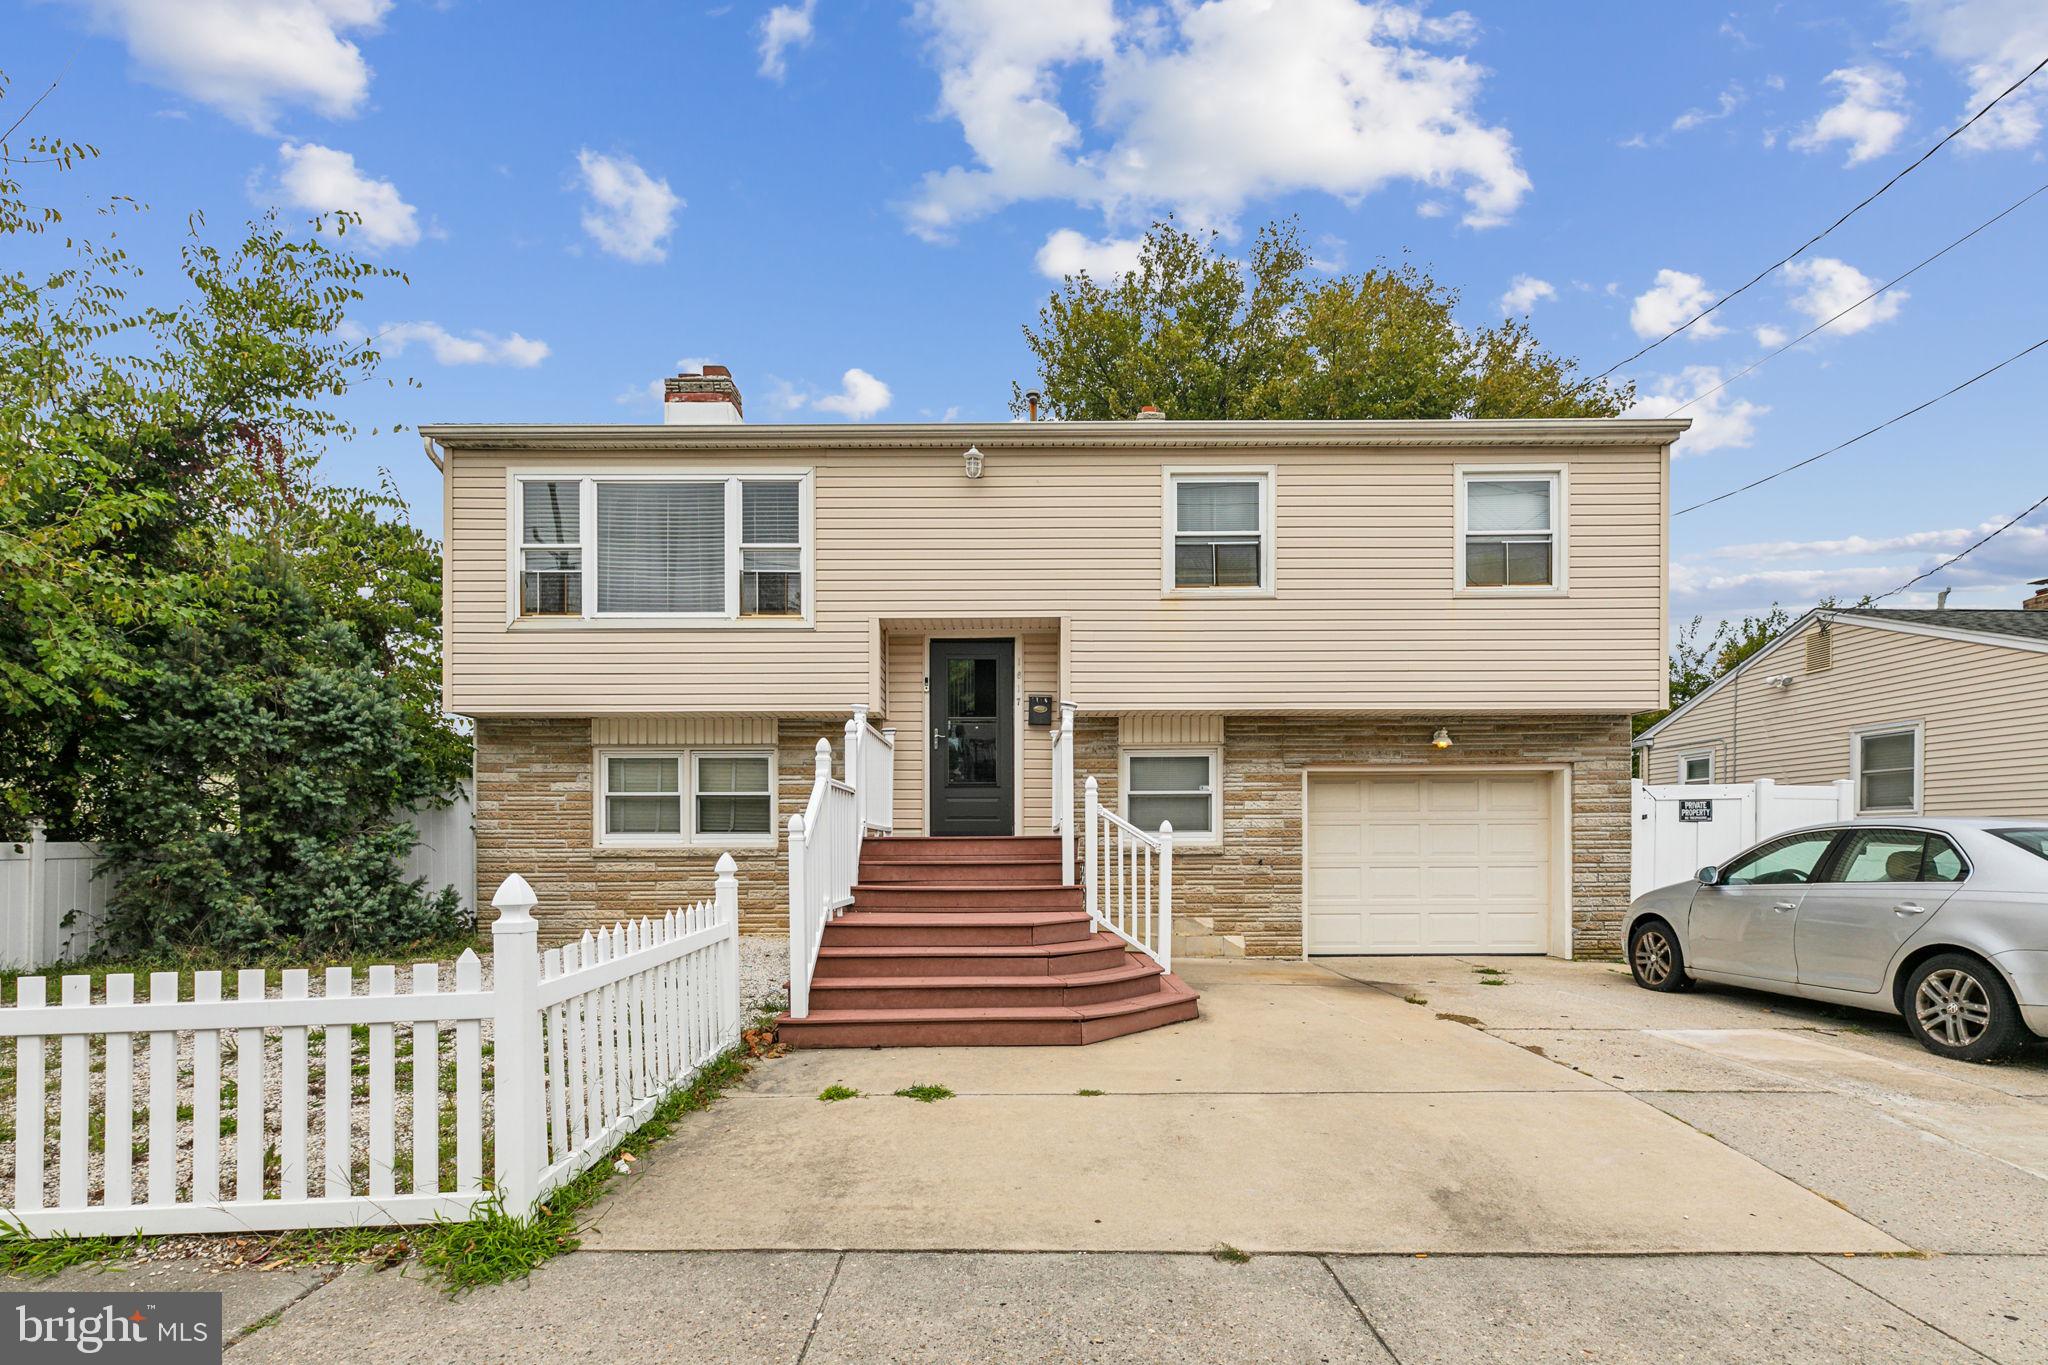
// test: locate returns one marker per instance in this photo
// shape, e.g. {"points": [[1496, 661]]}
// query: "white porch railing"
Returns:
{"points": [[871, 769], [585, 1041], [1128, 879], [1063, 790], [824, 843]]}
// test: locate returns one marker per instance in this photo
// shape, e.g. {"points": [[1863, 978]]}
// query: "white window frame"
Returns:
{"points": [[1693, 755], [1170, 479], [520, 549], [729, 616], [1213, 838], [698, 836], [686, 782], [1856, 737], [1560, 528]]}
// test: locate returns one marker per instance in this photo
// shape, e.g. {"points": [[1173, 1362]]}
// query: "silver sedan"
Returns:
{"points": [[1944, 921]]}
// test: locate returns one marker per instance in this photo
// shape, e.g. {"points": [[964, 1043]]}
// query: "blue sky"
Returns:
{"points": [[854, 204]]}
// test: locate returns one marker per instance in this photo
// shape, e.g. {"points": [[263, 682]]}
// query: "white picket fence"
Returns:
{"points": [[53, 900], [1678, 829], [585, 1041]]}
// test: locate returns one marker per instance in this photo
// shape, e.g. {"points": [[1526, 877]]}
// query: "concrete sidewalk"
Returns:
{"points": [[1302, 1112], [818, 1307]]}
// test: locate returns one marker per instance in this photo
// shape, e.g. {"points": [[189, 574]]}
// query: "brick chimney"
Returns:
{"points": [[2039, 601], [710, 397]]}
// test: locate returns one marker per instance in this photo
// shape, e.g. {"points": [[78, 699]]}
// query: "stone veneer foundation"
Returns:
{"points": [[534, 817]]}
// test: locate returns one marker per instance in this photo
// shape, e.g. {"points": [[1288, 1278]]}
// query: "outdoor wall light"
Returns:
{"points": [[1441, 739], [972, 456]]}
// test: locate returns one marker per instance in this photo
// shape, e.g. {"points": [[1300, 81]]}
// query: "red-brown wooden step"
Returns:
{"points": [[932, 928], [1097, 953], [928, 848], [876, 871], [1136, 976], [1018, 1026], [967, 896]]}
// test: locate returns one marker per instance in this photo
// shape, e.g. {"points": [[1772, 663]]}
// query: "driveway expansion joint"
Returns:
{"points": [[1825, 1263]]}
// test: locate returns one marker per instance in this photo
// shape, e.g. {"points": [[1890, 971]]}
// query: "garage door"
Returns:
{"points": [[1431, 864]]}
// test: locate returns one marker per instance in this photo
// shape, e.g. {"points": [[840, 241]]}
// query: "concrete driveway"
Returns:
{"points": [[1426, 1168]]}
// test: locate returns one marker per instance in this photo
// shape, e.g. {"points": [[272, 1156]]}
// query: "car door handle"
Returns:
{"points": [[1908, 908], [1782, 906]]}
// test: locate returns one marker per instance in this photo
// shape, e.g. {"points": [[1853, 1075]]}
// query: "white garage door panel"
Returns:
{"points": [[1428, 864]]}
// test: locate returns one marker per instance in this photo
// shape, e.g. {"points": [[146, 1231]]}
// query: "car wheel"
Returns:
{"points": [[1958, 1006], [1654, 957]]}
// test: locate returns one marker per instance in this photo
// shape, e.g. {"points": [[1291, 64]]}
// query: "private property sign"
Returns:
{"points": [[1695, 812]]}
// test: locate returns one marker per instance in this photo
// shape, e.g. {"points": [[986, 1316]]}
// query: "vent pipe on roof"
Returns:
{"points": [[1941, 600]]}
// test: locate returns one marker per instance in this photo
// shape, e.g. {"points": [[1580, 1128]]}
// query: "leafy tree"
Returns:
{"points": [[154, 455], [1201, 335]]}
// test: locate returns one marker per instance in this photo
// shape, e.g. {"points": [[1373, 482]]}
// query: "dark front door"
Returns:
{"points": [[973, 770]]}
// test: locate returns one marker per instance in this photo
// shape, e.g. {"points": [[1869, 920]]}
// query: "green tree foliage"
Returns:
{"points": [[1699, 657], [1200, 335], [258, 792], [154, 453]]}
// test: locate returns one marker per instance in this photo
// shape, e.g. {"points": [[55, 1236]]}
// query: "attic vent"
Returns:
{"points": [[1820, 650]]}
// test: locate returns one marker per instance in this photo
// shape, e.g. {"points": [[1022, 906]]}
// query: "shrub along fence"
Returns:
{"points": [[553, 1062]]}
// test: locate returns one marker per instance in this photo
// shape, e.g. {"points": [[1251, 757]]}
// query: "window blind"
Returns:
{"points": [[1225, 508], [1497, 506], [661, 547]]}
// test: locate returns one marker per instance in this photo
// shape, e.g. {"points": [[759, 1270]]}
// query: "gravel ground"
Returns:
{"points": [[763, 968]]}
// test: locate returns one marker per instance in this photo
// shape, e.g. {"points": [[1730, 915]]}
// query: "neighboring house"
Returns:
{"points": [[1937, 712], [1378, 675]]}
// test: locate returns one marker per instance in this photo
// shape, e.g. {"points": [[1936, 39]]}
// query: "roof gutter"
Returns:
{"points": [[1569, 432]]}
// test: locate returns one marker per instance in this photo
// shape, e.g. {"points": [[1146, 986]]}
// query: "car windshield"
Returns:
{"points": [[2034, 841]]}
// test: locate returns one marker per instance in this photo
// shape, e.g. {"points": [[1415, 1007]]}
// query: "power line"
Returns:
{"points": [[1821, 326], [1922, 407], [1864, 203], [1959, 554]]}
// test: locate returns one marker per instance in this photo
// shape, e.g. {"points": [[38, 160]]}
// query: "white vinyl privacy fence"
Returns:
{"points": [[136, 1110], [53, 898], [1679, 829]]}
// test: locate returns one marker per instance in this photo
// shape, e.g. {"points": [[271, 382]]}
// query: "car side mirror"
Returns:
{"points": [[1709, 875]]}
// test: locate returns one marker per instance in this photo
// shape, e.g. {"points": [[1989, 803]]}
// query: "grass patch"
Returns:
{"points": [[1090, 1093], [1488, 971], [1229, 1254], [1416, 999], [1493, 981], [833, 1093], [494, 1246], [924, 1094], [41, 1257]]}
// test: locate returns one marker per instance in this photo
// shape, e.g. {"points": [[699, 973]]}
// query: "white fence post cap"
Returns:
{"points": [[515, 899], [726, 866]]}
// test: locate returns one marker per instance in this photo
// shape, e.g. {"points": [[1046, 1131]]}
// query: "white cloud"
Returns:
{"points": [[1201, 107], [322, 180], [478, 348], [1524, 291], [1768, 335], [249, 58], [782, 28], [1827, 286], [860, 397], [1719, 420], [1067, 252], [1431, 208], [1725, 104], [631, 213], [1738, 578], [1870, 115], [1991, 43], [1667, 303]]}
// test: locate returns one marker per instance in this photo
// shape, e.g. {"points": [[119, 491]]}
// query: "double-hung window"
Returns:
{"points": [[721, 798], [1219, 531], [702, 546], [1886, 763], [1177, 786], [1510, 530], [1694, 769], [551, 548]]}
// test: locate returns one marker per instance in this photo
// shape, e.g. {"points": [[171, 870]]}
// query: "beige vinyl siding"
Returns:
{"points": [[1038, 670], [686, 730], [1365, 617], [1983, 709]]}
